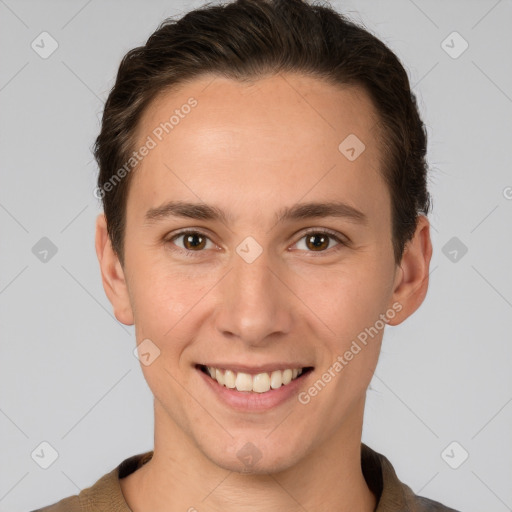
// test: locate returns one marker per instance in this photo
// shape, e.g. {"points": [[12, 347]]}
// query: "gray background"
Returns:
{"points": [[68, 375]]}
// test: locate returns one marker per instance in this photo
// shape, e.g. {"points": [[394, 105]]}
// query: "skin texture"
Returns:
{"points": [[251, 149]]}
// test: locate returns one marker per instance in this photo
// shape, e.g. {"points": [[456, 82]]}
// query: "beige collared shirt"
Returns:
{"points": [[393, 496]]}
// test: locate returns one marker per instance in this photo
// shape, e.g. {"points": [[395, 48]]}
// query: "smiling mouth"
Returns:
{"points": [[258, 383]]}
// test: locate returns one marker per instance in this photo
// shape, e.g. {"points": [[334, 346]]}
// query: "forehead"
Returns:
{"points": [[279, 139]]}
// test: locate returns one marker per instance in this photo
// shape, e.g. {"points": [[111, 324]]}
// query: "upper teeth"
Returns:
{"points": [[260, 383]]}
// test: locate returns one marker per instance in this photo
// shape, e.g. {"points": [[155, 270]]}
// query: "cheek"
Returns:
{"points": [[161, 305], [166, 306], [160, 302], [349, 299], [352, 308]]}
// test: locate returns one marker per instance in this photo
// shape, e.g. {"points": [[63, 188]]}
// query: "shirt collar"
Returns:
{"points": [[392, 495]]}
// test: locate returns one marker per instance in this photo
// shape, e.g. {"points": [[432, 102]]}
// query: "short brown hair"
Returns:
{"points": [[249, 39]]}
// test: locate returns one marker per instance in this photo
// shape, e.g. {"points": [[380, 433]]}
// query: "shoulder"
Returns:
{"points": [[421, 504], [393, 495], [105, 494]]}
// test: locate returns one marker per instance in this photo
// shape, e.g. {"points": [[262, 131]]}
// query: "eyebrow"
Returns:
{"points": [[301, 211]]}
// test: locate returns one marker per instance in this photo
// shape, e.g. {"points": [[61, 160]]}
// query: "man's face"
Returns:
{"points": [[250, 292]]}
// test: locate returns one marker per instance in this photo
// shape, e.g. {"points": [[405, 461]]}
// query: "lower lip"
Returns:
{"points": [[246, 401]]}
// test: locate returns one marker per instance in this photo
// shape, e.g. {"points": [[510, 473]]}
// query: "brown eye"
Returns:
{"points": [[193, 242], [317, 242], [320, 241]]}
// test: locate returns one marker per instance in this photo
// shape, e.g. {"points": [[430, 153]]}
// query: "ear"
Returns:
{"points": [[112, 274], [412, 277]]}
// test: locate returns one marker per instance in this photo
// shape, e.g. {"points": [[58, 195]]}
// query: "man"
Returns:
{"points": [[263, 177]]}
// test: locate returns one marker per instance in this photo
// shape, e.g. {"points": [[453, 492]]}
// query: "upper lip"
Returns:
{"points": [[254, 370]]}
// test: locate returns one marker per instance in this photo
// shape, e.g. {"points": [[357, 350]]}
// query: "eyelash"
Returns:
{"points": [[323, 231]]}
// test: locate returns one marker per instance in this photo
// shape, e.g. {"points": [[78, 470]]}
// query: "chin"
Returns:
{"points": [[254, 458], [261, 468]]}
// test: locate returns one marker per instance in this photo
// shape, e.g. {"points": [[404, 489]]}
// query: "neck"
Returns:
{"points": [[180, 477]]}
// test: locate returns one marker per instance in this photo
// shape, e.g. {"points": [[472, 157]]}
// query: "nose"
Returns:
{"points": [[255, 304]]}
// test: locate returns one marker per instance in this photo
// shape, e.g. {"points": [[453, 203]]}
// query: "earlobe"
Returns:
{"points": [[412, 278], [112, 274]]}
